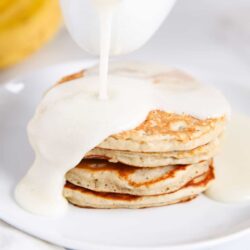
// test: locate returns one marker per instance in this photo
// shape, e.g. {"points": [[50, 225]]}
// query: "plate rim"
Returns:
{"points": [[91, 246]]}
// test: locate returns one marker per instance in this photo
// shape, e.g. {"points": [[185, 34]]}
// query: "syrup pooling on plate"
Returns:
{"points": [[71, 120], [232, 182]]}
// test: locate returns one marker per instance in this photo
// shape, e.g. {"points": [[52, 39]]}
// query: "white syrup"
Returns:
{"points": [[232, 165], [105, 9]]}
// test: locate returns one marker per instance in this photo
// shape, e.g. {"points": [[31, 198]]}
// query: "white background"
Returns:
{"points": [[209, 38]]}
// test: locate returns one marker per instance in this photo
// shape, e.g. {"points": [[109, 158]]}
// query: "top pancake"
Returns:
{"points": [[161, 131]]}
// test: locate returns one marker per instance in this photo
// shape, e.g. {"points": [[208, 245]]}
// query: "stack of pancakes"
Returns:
{"points": [[165, 160]]}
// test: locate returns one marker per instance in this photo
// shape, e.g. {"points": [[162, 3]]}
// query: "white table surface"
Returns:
{"points": [[209, 38]]}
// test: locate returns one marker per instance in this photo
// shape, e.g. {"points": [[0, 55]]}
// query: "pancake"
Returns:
{"points": [[156, 159], [164, 160], [103, 176], [86, 198], [165, 132]]}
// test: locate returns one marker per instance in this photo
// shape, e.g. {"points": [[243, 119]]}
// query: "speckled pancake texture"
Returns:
{"points": [[166, 159]]}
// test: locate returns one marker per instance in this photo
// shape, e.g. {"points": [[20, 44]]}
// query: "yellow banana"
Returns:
{"points": [[25, 25]]}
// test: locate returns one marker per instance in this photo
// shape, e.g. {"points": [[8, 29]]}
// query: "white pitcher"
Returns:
{"points": [[133, 23]]}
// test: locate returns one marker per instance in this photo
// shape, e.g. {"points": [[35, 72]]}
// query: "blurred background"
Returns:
{"points": [[206, 37]]}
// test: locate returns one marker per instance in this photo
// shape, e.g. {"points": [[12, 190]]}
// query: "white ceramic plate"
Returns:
{"points": [[199, 223]]}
